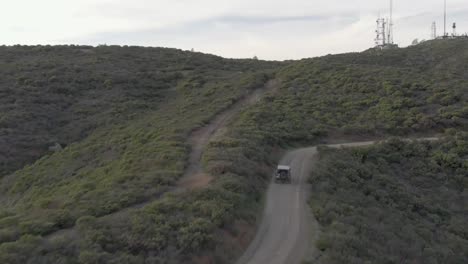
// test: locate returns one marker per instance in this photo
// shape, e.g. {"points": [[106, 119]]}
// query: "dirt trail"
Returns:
{"points": [[288, 229], [199, 139], [193, 176]]}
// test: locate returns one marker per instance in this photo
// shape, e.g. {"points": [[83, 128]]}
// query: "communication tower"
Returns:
{"points": [[380, 39], [384, 32]]}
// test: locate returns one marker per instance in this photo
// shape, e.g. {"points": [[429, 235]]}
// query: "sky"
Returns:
{"points": [[268, 29]]}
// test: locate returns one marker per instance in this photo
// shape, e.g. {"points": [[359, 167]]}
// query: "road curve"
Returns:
{"points": [[288, 228]]}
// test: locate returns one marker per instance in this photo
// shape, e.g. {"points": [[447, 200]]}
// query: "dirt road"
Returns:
{"points": [[193, 176], [288, 229], [285, 234], [199, 139]]}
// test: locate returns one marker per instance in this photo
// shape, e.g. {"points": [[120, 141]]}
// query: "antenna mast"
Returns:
{"points": [[445, 18], [390, 24], [434, 30]]}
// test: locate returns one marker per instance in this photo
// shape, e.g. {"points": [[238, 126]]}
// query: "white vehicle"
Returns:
{"points": [[283, 174]]}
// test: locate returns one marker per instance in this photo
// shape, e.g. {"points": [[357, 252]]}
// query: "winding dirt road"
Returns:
{"points": [[199, 138], [193, 177], [288, 229]]}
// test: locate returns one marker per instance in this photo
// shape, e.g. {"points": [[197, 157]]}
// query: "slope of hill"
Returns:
{"points": [[350, 96], [392, 203], [141, 153], [123, 115], [62, 94]]}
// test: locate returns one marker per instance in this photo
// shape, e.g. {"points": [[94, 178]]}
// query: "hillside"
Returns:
{"points": [[125, 117], [393, 202], [346, 97], [60, 95]]}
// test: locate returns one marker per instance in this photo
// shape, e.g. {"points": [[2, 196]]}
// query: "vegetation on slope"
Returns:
{"points": [[371, 93], [128, 157], [395, 202], [421, 88], [319, 99], [62, 94]]}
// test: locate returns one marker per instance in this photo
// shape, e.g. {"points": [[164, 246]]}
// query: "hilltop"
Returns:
{"points": [[122, 117], [58, 95]]}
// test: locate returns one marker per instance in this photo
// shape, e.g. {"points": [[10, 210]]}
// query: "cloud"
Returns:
{"points": [[270, 29], [255, 20], [233, 36]]}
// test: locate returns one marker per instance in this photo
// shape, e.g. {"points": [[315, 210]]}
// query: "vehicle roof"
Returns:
{"points": [[283, 167]]}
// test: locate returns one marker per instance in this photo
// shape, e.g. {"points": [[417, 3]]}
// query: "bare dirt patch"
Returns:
{"points": [[196, 181]]}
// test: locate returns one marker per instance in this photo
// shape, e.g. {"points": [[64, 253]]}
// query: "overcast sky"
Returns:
{"points": [[269, 29]]}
